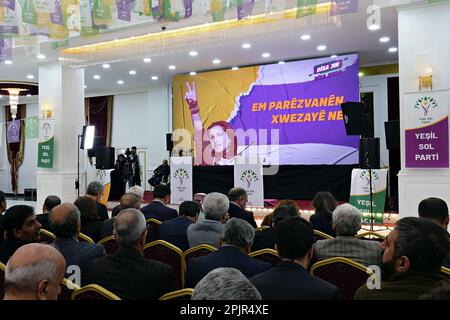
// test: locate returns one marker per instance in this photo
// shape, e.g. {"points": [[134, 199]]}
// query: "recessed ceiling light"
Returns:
{"points": [[393, 49], [235, 68], [132, 72], [40, 56], [106, 66], [8, 62], [321, 47], [216, 61], [147, 60], [265, 55], [384, 39], [119, 81], [246, 46], [96, 76], [172, 67], [28, 95], [333, 56], [374, 27], [85, 86], [193, 53], [360, 74], [281, 62], [192, 73], [154, 77], [305, 37], [1, 96], [30, 76]]}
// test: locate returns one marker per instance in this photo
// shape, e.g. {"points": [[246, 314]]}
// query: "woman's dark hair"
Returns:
{"points": [[230, 133], [88, 209], [324, 202], [2, 199]]}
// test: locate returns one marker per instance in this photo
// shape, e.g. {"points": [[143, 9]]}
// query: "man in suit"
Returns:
{"points": [[161, 173], [290, 280], [347, 221], [215, 206], [158, 208], [236, 242], [175, 230], [266, 238], [95, 191], [65, 222], [238, 200], [412, 257], [21, 228], [49, 203], [436, 210], [34, 272], [127, 273], [137, 191]]}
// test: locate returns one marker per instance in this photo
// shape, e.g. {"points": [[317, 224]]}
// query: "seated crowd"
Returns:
{"points": [[410, 258]]}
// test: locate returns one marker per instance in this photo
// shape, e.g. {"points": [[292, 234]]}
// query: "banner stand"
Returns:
{"points": [[248, 175], [180, 179]]}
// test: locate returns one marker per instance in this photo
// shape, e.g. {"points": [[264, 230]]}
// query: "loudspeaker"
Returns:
{"points": [[98, 142], [369, 147], [105, 158], [169, 142], [392, 131], [356, 119]]}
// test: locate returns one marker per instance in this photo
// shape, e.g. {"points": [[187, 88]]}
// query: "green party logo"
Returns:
{"points": [[365, 177], [249, 176], [426, 104], [181, 174]]}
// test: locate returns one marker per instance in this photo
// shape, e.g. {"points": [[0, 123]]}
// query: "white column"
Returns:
{"points": [[424, 33], [62, 89]]}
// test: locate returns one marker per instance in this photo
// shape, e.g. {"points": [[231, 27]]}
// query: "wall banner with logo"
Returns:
{"points": [[248, 174], [180, 179], [360, 193], [426, 129], [46, 144]]}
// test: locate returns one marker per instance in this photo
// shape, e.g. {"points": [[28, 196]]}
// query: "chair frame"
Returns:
{"points": [[86, 238], [322, 234], [343, 260], [199, 247], [48, 233], [2, 266], [370, 233], [175, 294], [102, 241], [263, 251], [153, 220], [99, 289], [445, 271], [262, 228]]}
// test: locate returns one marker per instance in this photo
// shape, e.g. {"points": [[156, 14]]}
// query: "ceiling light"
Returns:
{"points": [[119, 81], [8, 62], [321, 47], [193, 53], [333, 56], [147, 60], [192, 73], [305, 37], [216, 61], [1, 96], [360, 74], [106, 66], [85, 86], [30, 76], [393, 49], [40, 56], [132, 72], [28, 95], [246, 46], [235, 68], [96, 76], [154, 78], [265, 55], [384, 39], [172, 67], [374, 27], [281, 62]]}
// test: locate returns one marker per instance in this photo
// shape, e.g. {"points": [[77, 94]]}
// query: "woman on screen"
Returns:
{"points": [[216, 146]]}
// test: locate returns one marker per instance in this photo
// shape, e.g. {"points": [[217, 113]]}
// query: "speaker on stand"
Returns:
{"points": [[105, 158]]}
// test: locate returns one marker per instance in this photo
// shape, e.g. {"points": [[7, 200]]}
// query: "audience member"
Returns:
{"points": [[412, 259], [266, 237], [127, 273], [137, 191], [347, 222], [90, 221], [436, 210], [268, 218], [65, 220], [158, 208], [232, 283], [324, 205], [238, 201], [175, 230], [49, 203], [34, 272], [95, 191], [440, 292], [3, 207], [236, 242], [199, 197], [21, 228], [290, 280], [208, 231]]}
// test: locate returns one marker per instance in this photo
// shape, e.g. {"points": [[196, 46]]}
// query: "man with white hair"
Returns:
{"points": [[236, 240], [137, 191], [347, 222], [215, 206], [127, 273], [34, 272]]}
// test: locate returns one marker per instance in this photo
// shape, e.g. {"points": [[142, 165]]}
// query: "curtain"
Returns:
{"points": [[15, 151], [98, 111]]}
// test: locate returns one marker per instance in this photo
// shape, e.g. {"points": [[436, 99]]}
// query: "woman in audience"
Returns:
{"points": [[268, 219], [90, 222], [324, 205]]}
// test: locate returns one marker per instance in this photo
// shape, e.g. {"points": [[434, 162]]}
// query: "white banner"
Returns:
{"points": [[180, 179], [248, 175]]}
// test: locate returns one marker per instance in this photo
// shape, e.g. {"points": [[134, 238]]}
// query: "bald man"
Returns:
{"points": [[34, 272]]}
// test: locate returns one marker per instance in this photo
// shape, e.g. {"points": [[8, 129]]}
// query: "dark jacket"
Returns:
{"points": [[116, 210], [1, 228], [225, 256], [128, 274], [108, 227], [237, 212], [264, 239], [43, 220], [175, 232], [401, 286], [78, 253], [102, 211], [446, 262], [322, 222], [9, 246], [92, 229], [159, 211], [290, 281]]}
